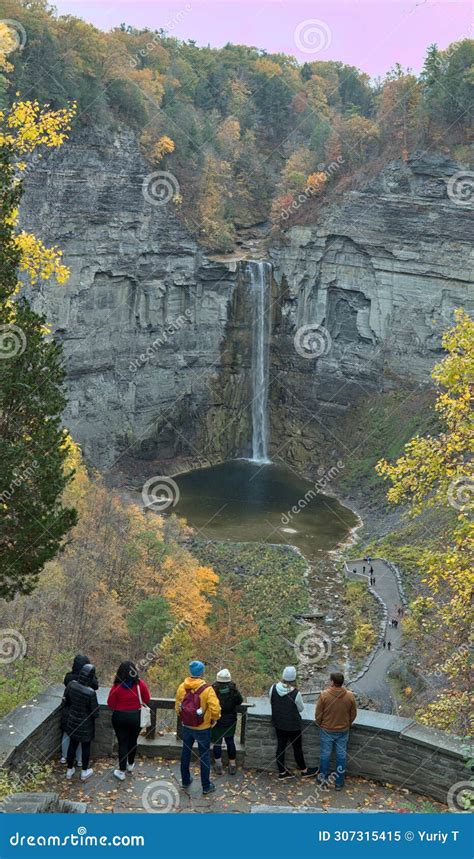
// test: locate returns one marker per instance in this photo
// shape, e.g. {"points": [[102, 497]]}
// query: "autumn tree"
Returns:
{"points": [[397, 114], [359, 138], [33, 443], [437, 472]]}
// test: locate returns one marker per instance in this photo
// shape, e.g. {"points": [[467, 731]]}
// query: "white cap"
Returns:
{"points": [[289, 673], [223, 675]]}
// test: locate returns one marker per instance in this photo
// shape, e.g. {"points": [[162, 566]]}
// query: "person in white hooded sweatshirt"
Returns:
{"points": [[287, 706]]}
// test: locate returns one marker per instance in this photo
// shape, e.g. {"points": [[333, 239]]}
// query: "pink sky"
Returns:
{"points": [[370, 34]]}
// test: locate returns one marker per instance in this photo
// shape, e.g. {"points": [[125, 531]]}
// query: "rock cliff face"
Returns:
{"points": [[381, 273], [156, 334], [142, 318]]}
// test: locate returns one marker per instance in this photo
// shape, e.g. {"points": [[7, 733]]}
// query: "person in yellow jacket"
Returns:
{"points": [[198, 707]]}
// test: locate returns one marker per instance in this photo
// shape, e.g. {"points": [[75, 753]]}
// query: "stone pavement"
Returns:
{"points": [[374, 683], [155, 786]]}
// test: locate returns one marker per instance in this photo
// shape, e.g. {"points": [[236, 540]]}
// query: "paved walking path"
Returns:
{"points": [[155, 786], [374, 682]]}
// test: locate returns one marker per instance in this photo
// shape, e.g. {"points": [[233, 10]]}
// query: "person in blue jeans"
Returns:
{"points": [[336, 710], [198, 708]]}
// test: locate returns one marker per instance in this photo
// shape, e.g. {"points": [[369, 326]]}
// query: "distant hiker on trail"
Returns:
{"points": [[371, 570], [229, 699], [73, 674], [287, 706], [389, 645], [363, 568], [198, 707], [126, 698], [336, 710], [83, 710], [384, 643]]}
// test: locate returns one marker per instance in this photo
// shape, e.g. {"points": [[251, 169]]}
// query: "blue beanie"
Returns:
{"points": [[196, 668]]}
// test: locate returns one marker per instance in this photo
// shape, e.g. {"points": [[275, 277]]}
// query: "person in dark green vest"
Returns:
{"points": [[229, 699]]}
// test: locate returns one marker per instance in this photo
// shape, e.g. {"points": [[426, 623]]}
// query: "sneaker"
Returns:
{"points": [[185, 786], [209, 789], [339, 787], [218, 767], [232, 768], [85, 774], [285, 775], [70, 772], [310, 772], [63, 761], [130, 768], [119, 774]]}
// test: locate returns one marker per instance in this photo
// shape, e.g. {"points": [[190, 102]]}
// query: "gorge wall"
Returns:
{"points": [[156, 333], [381, 271]]}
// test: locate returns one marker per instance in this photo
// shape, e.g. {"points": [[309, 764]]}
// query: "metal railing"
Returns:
{"points": [[157, 704]]}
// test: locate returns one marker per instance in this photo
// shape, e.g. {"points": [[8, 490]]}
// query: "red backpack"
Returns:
{"points": [[190, 706]]}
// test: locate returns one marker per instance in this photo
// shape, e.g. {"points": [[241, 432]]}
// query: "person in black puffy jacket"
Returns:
{"points": [[81, 700], [229, 699], [73, 674]]}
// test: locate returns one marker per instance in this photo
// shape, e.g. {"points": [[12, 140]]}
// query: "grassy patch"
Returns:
{"points": [[268, 582], [362, 617], [379, 428], [34, 779]]}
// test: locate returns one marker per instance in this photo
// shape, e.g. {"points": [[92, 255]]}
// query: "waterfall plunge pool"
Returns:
{"points": [[241, 500]]}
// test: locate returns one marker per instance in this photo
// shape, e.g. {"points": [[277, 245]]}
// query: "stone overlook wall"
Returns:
{"points": [[381, 747]]}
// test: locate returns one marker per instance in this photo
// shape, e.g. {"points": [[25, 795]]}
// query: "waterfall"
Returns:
{"points": [[259, 275]]}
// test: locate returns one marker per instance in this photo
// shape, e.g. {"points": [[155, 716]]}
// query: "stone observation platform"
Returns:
{"points": [[383, 750]]}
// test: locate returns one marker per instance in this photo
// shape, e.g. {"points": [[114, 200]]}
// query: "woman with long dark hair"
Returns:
{"points": [[126, 698]]}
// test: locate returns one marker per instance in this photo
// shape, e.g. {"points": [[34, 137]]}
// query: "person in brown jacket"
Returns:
{"points": [[335, 712]]}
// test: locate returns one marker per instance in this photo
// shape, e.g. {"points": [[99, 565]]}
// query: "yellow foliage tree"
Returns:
{"points": [[437, 471], [316, 182], [26, 128], [162, 147]]}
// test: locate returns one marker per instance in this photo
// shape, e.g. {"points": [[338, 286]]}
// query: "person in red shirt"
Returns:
{"points": [[125, 699]]}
